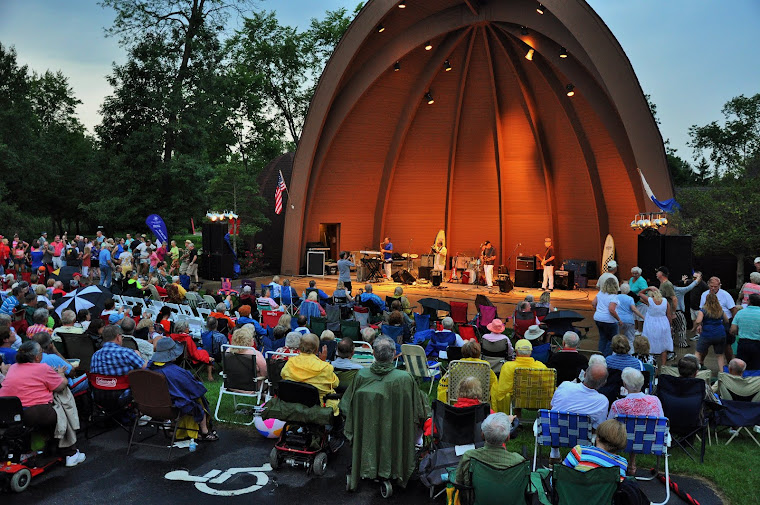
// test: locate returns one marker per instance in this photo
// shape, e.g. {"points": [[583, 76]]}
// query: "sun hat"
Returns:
{"points": [[523, 345], [534, 332], [496, 326], [167, 350]]}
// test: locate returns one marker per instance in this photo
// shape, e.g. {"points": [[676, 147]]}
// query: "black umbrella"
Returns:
{"points": [[434, 304], [92, 298], [570, 316], [64, 274]]}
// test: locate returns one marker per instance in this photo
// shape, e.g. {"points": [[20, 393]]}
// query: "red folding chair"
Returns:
{"points": [[270, 318], [467, 332], [459, 312]]}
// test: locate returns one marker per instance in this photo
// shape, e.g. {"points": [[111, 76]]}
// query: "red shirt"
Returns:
{"points": [[5, 252]]}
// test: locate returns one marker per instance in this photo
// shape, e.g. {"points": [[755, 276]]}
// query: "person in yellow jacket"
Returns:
{"points": [[470, 352], [312, 369], [523, 348]]}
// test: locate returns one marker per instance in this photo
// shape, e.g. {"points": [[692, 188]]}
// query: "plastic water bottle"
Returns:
{"points": [[193, 446]]}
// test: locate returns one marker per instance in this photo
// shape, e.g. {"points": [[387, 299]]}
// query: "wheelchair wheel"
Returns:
{"points": [[386, 489], [274, 459], [20, 480], [319, 465]]}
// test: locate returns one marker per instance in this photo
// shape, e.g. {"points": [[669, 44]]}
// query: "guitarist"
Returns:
{"points": [[487, 257], [547, 262]]}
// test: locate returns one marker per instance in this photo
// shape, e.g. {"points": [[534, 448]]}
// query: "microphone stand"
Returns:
{"points": [[509, 260]]}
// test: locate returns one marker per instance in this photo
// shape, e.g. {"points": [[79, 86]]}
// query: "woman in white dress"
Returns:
{"points": [[657, 323]]}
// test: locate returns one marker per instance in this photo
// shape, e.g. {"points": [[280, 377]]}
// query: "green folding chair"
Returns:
{"points": [[497, 486], [595, 487], [318, 325], [349, 329]]}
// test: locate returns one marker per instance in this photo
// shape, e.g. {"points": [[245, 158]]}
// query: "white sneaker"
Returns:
{"points": [[75, 459], [143, 421], [637, 333]]}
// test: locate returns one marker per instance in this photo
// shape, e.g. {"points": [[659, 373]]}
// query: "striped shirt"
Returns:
{"points": [[585, 458]]}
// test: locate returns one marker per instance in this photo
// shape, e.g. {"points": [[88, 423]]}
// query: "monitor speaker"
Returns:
{"points": [[404, 277], [436, 277]]}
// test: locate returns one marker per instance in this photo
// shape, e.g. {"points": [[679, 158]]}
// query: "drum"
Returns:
{"points": [[471, 275], [466, 277]]}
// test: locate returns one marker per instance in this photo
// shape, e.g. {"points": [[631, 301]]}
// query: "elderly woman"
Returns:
{"points": [[753, 286], [471, 351], [342, 292], [312, 369], [266, 299], [605, 314], [628, 312], [182, 334], [469, 393], [636, 403], [496, 345], [611, 437], [243, 337], [311, 306], [637, 283], [35, 383], [398, 294], [620, 357], [292, 346], [496, 429]]}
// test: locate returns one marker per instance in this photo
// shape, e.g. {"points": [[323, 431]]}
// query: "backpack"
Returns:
{"points": [[629, 493]]}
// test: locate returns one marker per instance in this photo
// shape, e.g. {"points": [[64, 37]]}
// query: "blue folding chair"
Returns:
{"points": [[555, 428], [394, 332], [649, 435], [421, 321]]}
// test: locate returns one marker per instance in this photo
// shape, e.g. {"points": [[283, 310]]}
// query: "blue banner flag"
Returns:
{"points": [[158, 227]]}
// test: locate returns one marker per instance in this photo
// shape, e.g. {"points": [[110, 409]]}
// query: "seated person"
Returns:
{"points": [[144, 345], [292, 346], [187, 393], [245, 317], [524, 318], [342, 292], [244, 337], [265, 299], [211, 340], [277, 340], [322, 297], [611, 437], [368, 297], [163, 322], [95, 331], [303, 327], [274, 287], [688, 366], [40, 320], [583, 398], [398, 294], [287, 288], [134, 288], [494, 453], [620, 359], [35, 383], [736, 368], [345, 352], [396, 319], [636, 403], [568, 361], [327, 341], [311, 307], [312, 369], [383, 392], [246, 298], [68, 320], [225, 323], [641, 351], [109, 308], [469, 393], [52, 358], [441, 340], [182, 334], [507, 375], [7, 352]]}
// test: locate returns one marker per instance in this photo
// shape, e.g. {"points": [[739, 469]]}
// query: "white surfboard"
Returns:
{"points": [[608, 253]]}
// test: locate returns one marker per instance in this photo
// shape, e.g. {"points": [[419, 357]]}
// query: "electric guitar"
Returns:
{"points": [[454, 277]]}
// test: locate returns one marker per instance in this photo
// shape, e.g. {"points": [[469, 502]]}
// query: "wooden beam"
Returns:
{"points": [[473, 5]]}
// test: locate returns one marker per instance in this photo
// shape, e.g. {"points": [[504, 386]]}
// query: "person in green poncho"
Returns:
{"points": [[385, 411]]}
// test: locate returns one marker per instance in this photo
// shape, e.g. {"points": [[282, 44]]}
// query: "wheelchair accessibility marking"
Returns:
{"points": [[220, 477]]}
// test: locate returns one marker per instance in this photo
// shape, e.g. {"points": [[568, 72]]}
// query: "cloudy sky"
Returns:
{"points": [[690, 55]]}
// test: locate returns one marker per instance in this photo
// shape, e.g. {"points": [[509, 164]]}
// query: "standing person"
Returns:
{"points": [[440, 252], [693, 298], [174, 261], [729, 309], [488, 256], [626, 309], [387, 247], [679, 319], [58, 246], [753, 286], [605, 314], [95, 261], [19, 255], [5, 253], [47, 257], [710, 324], [637, 283], [657, 323], [344, 270], [746, 325], [37, 253], [547, 261], [669, 294], [106, 266], [612, 268], [192, 261]]}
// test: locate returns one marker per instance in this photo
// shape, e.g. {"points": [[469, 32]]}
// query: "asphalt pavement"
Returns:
{"points": [[233, 470]]}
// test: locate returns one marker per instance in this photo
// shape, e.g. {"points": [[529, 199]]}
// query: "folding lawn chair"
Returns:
{"points": [[416, 363], [533, 388], [150, 391], [349, 329], [468, 332], [318, 325], [274, 371], [649, 435], [683, 402], [108, 403], [460, 370], [555, 428], [595, 487], [362, 314], [496, 486], [240, 379], [459, 312], [270, 318], [486, 314], [364, 355], [333, 313], [421, 322], [78, 346]]}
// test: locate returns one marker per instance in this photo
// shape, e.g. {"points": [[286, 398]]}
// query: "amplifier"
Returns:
{"points": [[426, 260], [527, 278], [564, 279], [503, 269], [526, 263]]}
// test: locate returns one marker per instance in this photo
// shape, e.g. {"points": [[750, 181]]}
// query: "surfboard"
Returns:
{"points": [[442, 237], [608, 252]]}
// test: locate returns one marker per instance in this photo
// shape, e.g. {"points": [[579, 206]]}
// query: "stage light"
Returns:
{"points": [[397, 66], [570, 90], [640, 222], [562, 52], [402, 5], [540, 9], [428, 46], [213, 217], [529, 55], [429, 98], [447, 66], [664, 221], [634, 224], [380, 28], [523, 30]]}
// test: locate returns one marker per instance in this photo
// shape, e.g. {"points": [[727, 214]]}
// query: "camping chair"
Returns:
{"points": [[105, 391], [274, 371], [248, 282], [683, 402], [705, 375], [349, 329], [453, 353], [460, 370], [318, 325], [555, 428], [540, 313], [286, 299], [270, 318], [496, 353], [521, 322], [129, 342], [346, 377], [533, 388], [362, 314], [649, 435], [740, 398], [192, 366], [396, 333], [333, 313], [492, 486], [417, 364], [364, 355], [459, 312], [240, 378], [421, 322], [78, 346], [310, 309], [150, 391], [468, 332], [486, 314], [595, 487]]}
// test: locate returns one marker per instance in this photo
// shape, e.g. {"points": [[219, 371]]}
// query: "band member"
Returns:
{"points": [[547, 261], [488, 256], [387, 247], [440, 251]]}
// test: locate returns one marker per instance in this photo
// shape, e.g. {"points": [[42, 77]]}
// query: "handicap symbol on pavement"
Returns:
{"points": [[219, 477]]}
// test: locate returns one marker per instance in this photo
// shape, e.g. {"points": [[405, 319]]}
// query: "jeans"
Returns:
{"points": [[105, 276], [606, 332]]}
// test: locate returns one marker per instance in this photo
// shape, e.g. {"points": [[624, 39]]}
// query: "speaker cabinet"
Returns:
{"points": [[526, 278], [426, 260], [564, 279], [425, 272], [213, 238], [404, 277], [436, 277]]}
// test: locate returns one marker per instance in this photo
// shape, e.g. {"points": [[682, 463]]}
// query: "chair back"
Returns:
{"points": [[534, 388], [349, 329], [459, 312], [649, 369], [270, 318], [361, 314], [467, 332], [460, 370], [78, 346], [542, 352], [333, 313], [286, 295], [248, 282], [394, 332], [150, 392], [239, 369], [346, 377], [415, 360], [11, 412], [210, 301], [457, 425], [611, 388], [562, 429], [737, 413], [309, 309], [129, 342], [682, 401], [421, 322], [440, 341], [318, 325], [540, 313], [274, 371], [646, 434], [595, 487], [493, 486], [520, 326], [738, 388], [299, 392], [705, 375], [338, 300], [389, 300], [453, 353], [203, 312], [486, 314]]}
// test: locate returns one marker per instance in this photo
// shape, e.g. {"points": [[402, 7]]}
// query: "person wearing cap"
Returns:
{"points": [[524, 349], [612, 268], [187, 393]]}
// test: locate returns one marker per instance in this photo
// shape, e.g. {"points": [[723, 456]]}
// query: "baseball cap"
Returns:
{"points": [[523, 345], [612, 264], [757, 260]]}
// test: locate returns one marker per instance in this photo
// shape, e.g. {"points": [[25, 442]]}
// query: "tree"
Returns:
{"points": [[732, 146]]}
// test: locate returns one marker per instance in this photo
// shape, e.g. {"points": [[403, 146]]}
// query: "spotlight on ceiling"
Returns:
{"points": [[540, 9], [570, 90], [529, 54], [523, 30], [380, 28], [429, 98], [562, 52], [428, 46], [447, 66], [402, 4], [397, 66]]}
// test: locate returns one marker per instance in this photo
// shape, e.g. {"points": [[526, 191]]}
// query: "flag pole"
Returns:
{"points": [[287, 191]]}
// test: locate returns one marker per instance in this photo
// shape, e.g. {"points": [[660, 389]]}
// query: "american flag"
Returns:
{"points": [[278, 193]]}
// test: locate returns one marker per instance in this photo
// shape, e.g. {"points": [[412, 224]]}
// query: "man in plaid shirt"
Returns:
{"points": [[113, 359]]}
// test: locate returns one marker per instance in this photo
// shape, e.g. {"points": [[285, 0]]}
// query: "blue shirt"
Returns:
{"points": [[242, 321], [113, 359], [54, 361], [621, 361], [9, 355], [374, 298], [624, 309], [344, 270], [8, 305], [388, 247], [275, 290], [748, 321], [104, 257], [302, 330]]}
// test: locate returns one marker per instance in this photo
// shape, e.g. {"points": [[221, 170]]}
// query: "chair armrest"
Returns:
{"points": [[437, 364], [333, 396], [535, 428]]}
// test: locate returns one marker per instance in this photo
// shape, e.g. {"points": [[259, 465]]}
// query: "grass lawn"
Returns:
{"points": [[733, 470]]}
